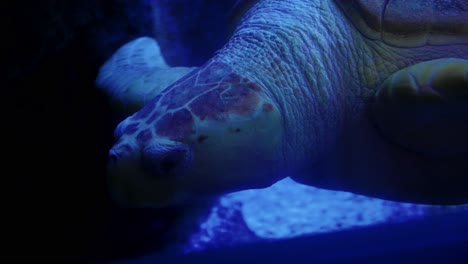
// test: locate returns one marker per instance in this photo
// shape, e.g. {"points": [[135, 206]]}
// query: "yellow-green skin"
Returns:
{"points": [[308, 89]]}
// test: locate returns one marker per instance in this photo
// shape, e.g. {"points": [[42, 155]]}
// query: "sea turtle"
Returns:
{"points": [[367, 96]]}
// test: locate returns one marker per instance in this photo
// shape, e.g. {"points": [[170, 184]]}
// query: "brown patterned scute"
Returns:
{"points": [[210, 106], [175, 126], [176, 98], [144, 136], [218, 104]]}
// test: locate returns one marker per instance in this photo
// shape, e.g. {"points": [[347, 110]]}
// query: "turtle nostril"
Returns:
{"points": [[113, 156]]}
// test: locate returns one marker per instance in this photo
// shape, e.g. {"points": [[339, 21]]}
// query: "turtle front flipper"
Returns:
{"points": [[135, 74], [424, 108]]}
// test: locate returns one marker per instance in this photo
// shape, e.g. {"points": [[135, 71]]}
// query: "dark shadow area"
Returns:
{"points": [[57, 129], [438, 239]]}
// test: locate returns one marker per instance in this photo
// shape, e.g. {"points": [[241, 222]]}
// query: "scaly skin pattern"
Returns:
{"points": [[287, 95]]}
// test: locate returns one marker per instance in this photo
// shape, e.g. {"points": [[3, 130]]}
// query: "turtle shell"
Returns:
{"points": [[406, 23]]}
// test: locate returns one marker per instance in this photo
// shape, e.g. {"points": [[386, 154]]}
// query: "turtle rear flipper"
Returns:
{"points": [[424, 108], [135, 74]]}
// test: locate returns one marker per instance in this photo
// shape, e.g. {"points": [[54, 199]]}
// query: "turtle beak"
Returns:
{"points": [[131, 186], [151, 177]]}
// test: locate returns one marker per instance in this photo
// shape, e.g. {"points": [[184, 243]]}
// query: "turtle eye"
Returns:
{"points": [[170, 162], [161, 161]]}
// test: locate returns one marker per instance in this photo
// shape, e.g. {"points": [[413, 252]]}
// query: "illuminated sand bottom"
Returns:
{"points": [[289, 209]]}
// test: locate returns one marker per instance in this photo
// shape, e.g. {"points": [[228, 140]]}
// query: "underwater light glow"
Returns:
{"points": [[289, 209]]}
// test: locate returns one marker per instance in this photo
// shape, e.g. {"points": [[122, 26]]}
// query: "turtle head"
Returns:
{"points": [[200, 137]]}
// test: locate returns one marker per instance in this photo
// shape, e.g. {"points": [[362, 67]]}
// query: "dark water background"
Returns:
{"points": [[57, 127]]}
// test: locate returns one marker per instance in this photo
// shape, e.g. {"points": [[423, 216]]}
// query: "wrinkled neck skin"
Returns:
{"points": [[318, 68], [276, 46]]}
